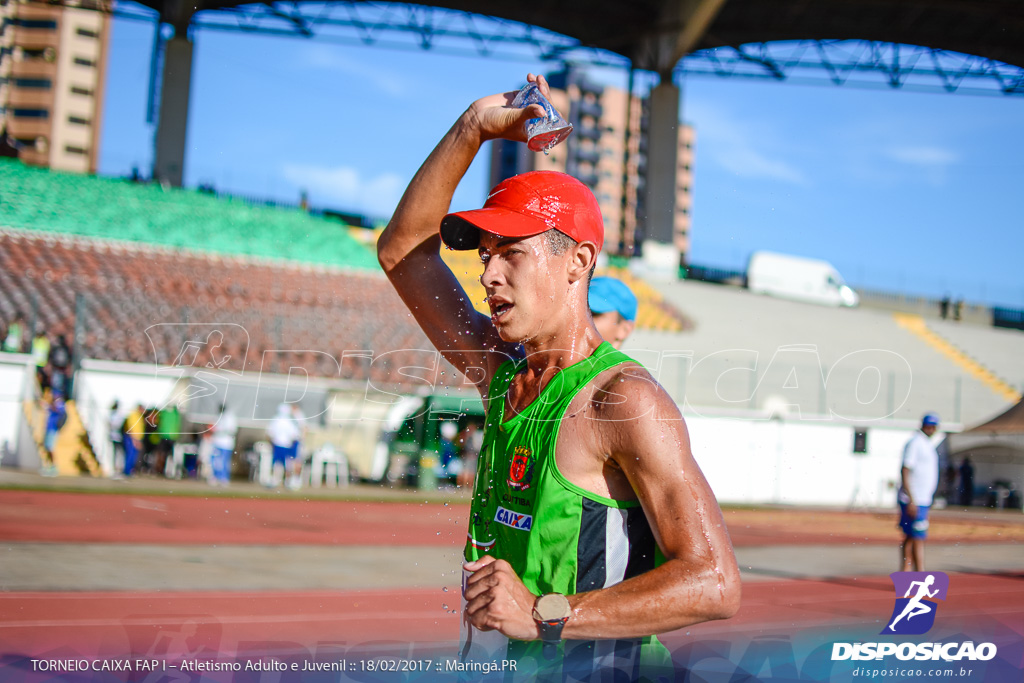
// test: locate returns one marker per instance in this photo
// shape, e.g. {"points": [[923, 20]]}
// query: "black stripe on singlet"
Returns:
{"points": [[591, 573], [620, 658], [591, 566], [641, 543]]}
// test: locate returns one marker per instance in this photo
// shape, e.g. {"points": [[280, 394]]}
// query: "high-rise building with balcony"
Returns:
{"points": [[52, 66], [608, 152]]}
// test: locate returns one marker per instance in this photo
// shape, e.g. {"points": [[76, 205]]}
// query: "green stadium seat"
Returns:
{"points": [[42, 200]]}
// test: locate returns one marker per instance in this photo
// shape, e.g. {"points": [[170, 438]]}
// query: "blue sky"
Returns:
{"points": [[900, 190]]}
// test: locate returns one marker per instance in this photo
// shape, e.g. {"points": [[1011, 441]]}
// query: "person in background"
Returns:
{"points": [[15, 337], [471, 439], [449, 464], [298, 457], [60, 366], [55, 419], [168, 429], [147, 460], [919, 478], [283, 433], [134, 432], [966, 481], [224, 432], [41, 356], [115, 424], [613, 307]]}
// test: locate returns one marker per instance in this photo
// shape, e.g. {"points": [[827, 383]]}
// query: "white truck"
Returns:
{"points": [[799, 279]]}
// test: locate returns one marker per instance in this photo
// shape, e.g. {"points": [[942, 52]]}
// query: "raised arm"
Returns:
{"points": [[409, 248]]}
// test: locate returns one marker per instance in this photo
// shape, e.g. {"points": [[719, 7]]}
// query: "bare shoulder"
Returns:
{"points": [[640, 427], [629, 393]]}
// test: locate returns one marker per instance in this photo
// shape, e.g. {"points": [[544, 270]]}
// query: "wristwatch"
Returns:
{"points": [[551, 611]]}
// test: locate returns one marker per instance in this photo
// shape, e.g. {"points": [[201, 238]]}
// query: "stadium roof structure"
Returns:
{"points": [[1010, 422], [655, 34], [43, 200], [942, 42]]}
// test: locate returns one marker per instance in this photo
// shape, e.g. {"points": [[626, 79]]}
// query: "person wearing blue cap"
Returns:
{"points": [[919, 477], [613, 307]]}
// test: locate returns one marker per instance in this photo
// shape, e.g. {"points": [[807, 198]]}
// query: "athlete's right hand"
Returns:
{"points": [[497, 600], [494, 117]]}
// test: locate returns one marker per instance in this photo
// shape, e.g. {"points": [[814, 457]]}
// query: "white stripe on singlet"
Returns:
{"points": [[616, 546]]}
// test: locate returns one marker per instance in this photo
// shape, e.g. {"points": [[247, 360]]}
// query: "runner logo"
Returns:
{"points": [[914, 612]]}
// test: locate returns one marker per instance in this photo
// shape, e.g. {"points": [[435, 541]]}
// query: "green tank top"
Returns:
{"points": [[558, 537]]}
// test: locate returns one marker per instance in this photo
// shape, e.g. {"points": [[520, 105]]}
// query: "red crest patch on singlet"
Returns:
{"points": [[520, 472]]}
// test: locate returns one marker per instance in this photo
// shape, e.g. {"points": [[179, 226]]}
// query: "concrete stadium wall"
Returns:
{"points": [[797, 463], [99, 383], [16, 372]]}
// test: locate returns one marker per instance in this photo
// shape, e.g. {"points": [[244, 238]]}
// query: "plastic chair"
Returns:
{"points": [[330, 464], [266, 462], [175, 467]]}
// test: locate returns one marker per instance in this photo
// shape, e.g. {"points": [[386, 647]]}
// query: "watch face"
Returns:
{"points": [[551, 607]]}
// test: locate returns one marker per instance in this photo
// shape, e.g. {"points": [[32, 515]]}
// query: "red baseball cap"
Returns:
{"points": [[526, 205]]}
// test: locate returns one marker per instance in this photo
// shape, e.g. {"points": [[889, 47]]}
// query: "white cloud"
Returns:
{"points": [[330, 58], [922, 155], [346, 188], [743, 160], [926, 162], [739, 147]]}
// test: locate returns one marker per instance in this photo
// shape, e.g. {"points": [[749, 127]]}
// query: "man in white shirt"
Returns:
{"points": [[223, 446], [919, 478], [283, 433]]}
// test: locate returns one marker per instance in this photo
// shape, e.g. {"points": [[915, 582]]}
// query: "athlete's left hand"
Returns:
{"points": [[496, 599]]}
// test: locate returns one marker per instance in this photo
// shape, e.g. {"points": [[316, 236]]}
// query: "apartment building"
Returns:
{"points": [[611, 162], [52, 66]]}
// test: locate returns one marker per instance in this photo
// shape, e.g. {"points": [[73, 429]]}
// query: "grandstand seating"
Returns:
{"points": [[1000, 350], [126, 290], [64, 203], [732, 325], [153, 270]]}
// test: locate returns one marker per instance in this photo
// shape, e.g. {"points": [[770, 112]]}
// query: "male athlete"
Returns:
{"points": [[591, 526], [919, 477]]}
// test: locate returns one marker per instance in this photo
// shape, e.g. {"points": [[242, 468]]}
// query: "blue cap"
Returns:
{"points": [[930, 419], [608, 294]]}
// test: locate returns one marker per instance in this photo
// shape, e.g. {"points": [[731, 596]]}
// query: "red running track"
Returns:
{"points": [[409, 622], [128, 518]]}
